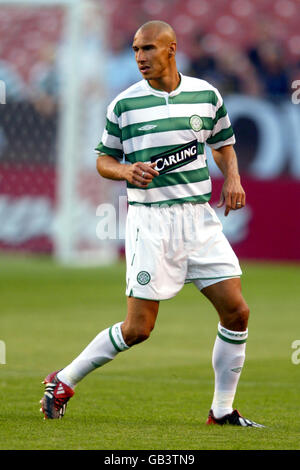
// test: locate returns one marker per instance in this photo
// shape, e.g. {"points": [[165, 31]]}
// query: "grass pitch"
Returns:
{"points": [[156, 395]]}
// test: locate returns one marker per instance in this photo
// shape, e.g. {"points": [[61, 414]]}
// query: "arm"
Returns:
{"points": [[232, 193], [139, 174]]}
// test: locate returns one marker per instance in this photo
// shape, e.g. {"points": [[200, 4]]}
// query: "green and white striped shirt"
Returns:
{"points": [[145, 124]]}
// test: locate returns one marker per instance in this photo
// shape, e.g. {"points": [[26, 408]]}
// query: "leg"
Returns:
{"points": [[105, 346], [227, 298], [108, 343], [140, 320], [229, 349]]}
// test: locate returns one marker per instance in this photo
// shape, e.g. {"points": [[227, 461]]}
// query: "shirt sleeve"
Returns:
{"points": [[111, 141], [222, 132]]}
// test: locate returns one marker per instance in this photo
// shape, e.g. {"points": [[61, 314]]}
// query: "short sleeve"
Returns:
{"points": [[222, 132], [111, 141]]}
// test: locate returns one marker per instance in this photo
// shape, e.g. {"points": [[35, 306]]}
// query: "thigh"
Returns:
{"points": [[140, 311], [211, 255], [156, 264]]}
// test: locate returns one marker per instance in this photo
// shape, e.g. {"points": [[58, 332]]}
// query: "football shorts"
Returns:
{"points": [[169, 246]]}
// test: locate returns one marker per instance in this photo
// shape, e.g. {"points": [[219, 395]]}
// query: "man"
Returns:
{"points": [[173, 236]]}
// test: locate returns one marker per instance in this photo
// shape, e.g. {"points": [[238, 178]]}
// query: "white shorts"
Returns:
{"points": [[168, 246]]}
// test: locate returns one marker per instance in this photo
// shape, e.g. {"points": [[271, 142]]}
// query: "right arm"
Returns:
{"points": [[109, 167]]}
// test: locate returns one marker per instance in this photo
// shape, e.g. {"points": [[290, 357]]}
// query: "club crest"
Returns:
{"points": [[196, 122], [143, 278]]}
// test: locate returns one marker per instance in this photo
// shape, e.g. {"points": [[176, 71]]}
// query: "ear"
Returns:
{"points": [[172, 49]]}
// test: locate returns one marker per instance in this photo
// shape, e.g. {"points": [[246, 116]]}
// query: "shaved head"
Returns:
{"points": [[154, 45], [157, 28]]}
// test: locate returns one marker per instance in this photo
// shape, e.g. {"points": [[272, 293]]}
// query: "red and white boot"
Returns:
{"points": [[56, 396]]}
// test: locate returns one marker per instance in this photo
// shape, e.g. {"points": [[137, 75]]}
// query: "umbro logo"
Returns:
{"points": [[237, 369], [148, 127]]}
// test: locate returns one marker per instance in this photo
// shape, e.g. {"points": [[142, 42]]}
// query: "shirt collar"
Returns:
{"points": [[162, 93]]}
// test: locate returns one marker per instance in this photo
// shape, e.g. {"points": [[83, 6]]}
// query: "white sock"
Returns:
{"points": [[104, 347], [228, 359]]}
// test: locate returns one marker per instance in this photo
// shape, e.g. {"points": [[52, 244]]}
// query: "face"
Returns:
{"points": [[153, 53]]}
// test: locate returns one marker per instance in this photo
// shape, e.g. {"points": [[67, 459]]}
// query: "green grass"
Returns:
{"points": [[156, 395]]}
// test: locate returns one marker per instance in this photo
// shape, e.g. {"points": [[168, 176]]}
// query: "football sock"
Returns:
{"points": [[228, 359], [104, 347]]}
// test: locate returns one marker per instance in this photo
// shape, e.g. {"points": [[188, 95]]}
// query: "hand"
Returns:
{"points": [[141, 174], [232, 195]]}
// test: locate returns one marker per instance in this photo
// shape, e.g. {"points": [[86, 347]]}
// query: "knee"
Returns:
{"points": [[134, 334], [242, 317], [237, 318]]}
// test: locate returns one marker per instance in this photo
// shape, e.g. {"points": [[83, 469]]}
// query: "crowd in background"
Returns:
{"points": [[262, 69], [261, 63]]}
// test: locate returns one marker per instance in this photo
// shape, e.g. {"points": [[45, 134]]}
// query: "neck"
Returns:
{"points": [[167, 84]]}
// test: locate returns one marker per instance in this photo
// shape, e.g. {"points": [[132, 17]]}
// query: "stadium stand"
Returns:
{"points": [[213, 25], [241, 46]]}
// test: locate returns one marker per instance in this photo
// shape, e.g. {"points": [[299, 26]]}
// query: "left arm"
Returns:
{"points": [[232, 193]]}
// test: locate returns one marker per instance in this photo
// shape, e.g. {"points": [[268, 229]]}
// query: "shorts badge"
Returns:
{"points": [[143, 278]]}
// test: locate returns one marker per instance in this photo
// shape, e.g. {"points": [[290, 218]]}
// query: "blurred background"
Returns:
{"points": [[62, 62]]}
